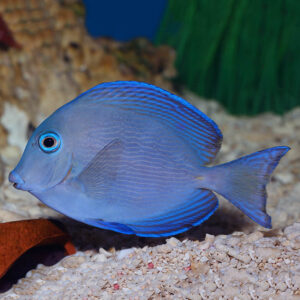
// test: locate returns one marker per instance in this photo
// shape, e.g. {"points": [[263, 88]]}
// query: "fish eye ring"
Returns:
{"points": [[49, 142]]}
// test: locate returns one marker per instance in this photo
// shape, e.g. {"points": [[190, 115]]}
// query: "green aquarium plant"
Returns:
{"points": [[243, 53]]}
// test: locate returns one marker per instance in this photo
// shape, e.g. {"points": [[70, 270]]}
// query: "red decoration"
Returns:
{"points": [[188, 268], [6, 37], [18, 237], [116, 286]]}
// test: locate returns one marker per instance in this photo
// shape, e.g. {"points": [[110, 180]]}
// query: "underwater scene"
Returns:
{"points": [[149, 149]]}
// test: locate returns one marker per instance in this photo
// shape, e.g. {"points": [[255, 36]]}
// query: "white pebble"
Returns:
{"points": [[124, 252]]}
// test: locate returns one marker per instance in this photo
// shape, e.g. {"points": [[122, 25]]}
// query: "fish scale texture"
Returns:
{"points": [[195, 127]]}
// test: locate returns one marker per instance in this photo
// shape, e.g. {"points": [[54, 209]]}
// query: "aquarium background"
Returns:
{"points": [[124, 20], [244, 54], [224, 57]]}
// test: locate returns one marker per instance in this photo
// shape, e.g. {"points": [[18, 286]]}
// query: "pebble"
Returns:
{"points": [[125, 252], [8, 216], [16, 123], [285, 178], [104, 252], [173, 242], [72, 262], [209, 238], [205, 245], [10, 155], [100, 258], [293, 231], [281, 286], [267, 252], [253, 237]]}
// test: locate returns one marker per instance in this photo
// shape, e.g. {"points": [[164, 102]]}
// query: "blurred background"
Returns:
{"points": [[237, 60]]}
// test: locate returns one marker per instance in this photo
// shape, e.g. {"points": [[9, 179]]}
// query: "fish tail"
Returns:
{"points": [[243, 181]]}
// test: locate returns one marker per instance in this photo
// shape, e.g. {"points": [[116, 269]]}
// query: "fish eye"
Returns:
{"points": [[49, 142]]}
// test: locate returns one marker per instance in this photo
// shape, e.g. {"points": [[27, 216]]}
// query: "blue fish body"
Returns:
{"points": [[130, 157]]}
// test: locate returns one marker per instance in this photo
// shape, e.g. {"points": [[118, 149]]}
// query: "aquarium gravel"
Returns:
{"points": [[228, 257], [236, 265]]}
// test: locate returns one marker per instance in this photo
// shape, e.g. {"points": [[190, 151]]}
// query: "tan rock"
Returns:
{"points": [[10, 155], [8, 216], [292, 231], [59, 60]]}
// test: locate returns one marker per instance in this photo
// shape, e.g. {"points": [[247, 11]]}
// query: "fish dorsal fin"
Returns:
{"points": [[198, 130], [198, 208], [98, 176]]}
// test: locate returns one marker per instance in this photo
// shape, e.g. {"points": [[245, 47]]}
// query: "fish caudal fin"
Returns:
{"points": [[243, 182]]}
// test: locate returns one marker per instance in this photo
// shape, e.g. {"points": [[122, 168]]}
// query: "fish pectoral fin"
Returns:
{"points": [[100, 173]]}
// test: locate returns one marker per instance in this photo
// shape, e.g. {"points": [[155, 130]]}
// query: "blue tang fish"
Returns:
{"points": [[130, 157]]}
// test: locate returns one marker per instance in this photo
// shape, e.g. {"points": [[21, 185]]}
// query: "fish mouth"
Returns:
{"points": [[17, 186], [21, 187], [16, 180]]}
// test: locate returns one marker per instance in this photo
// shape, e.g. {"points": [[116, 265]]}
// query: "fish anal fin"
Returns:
{"points": [[121, 228], [200, 206]]}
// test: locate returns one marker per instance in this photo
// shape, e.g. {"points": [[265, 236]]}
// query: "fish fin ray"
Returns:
{"points": [[245, 182], [198, 130], [118, 227], [193, 212], [96, 178]]}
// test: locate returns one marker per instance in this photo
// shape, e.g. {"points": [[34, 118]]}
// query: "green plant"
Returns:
{"points": [[244, 53]]}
